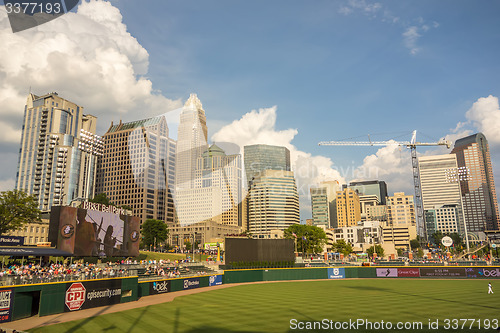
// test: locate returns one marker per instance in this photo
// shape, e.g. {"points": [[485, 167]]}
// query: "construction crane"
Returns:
{"points": [[412, 144]]}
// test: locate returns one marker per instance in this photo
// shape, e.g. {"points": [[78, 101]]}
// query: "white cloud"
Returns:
{"points": [[391, 164], [410, 38], [412, 32], [484, 115], [88, 57], [362, 5], [258, 127]]}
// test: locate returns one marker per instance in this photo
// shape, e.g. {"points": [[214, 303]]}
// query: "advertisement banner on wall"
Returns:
{"points": [[6, 302], [191, 283], [474, 272], [442, 272], [408, 272], [387, 272], [159, 287], [336, 273], [491, 272], [215, 280], [91, 294]]}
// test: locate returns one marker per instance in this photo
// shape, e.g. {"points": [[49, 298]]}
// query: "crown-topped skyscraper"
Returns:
{"points": [[191, 142]]}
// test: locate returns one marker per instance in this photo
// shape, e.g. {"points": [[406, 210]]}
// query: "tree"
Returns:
{"points": [[342, 247], [415, 244], [436, 238], [310, 239], [16, 209], [101, 198], [188, 245], [378, 249], [152, 229]]}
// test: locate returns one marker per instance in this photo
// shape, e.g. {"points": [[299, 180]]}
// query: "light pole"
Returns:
{"points": [[194, 239]]}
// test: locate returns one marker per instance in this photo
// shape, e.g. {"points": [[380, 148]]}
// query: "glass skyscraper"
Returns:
{"points": [[138, 168], [265, 157], [371, 187], [478, 187], [273, 202], [59, 150]]}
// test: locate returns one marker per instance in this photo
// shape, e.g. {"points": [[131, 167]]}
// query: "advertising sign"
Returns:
{"points": [[86, 232], [336, 273], [442, 272], [215, 280], [75, 296], [159, 287], [491, 272], [408, 272], [387, 272], [474, 272], [447, 241], [6, 302], [91, 294], [11, 240], [191, 283]]}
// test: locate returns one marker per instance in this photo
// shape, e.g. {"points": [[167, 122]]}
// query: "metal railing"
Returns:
{"points": [[12, 280]]}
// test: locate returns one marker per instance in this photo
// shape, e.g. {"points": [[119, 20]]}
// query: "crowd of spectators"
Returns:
{"points": [[34, 272], [52, 272]]}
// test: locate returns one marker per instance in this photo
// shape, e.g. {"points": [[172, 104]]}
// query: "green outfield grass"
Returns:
{"points": [[270, 307]]}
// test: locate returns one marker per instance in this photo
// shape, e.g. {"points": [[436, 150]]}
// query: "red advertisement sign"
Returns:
{"points": [[75, 296], [408, 272]]}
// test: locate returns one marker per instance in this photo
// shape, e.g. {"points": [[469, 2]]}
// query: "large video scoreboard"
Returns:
{"points": [[94, 230]]}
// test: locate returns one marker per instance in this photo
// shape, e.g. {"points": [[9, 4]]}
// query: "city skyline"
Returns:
{"points": [[317, 78]]}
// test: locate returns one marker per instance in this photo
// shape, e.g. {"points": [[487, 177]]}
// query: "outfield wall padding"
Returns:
{"points": [[24, 301]]}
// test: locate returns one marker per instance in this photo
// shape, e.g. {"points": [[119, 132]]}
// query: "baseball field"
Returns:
{"points": [[367, 305]]}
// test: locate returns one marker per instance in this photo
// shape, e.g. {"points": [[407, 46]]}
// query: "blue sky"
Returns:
{"points": [[332, 75], [316, 70]]}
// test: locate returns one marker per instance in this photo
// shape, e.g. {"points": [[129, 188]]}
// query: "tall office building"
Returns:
{"points": [[191, 142], [323, 203], [59, 149], [400, 210], [478, 188], [138, 168], [265, 157], [216, 192], [441, 196], [273, 202], [370, 187], [348, 208]]}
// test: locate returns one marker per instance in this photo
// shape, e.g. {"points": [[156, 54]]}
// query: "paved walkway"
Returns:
{"points": [[34, 322]]}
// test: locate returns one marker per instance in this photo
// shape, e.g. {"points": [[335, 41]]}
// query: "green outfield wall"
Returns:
{"points": [[23, 301]]}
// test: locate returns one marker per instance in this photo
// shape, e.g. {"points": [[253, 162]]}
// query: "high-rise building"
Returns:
{"points": [[370, 187], [273, 202], [323, 203], [478, 187], [138, 168], [265, 157], [366, 201], [59, 150], [191, 142], [400, 210], [216, 192], [319, 207], [441, 196], [348, 208]]}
